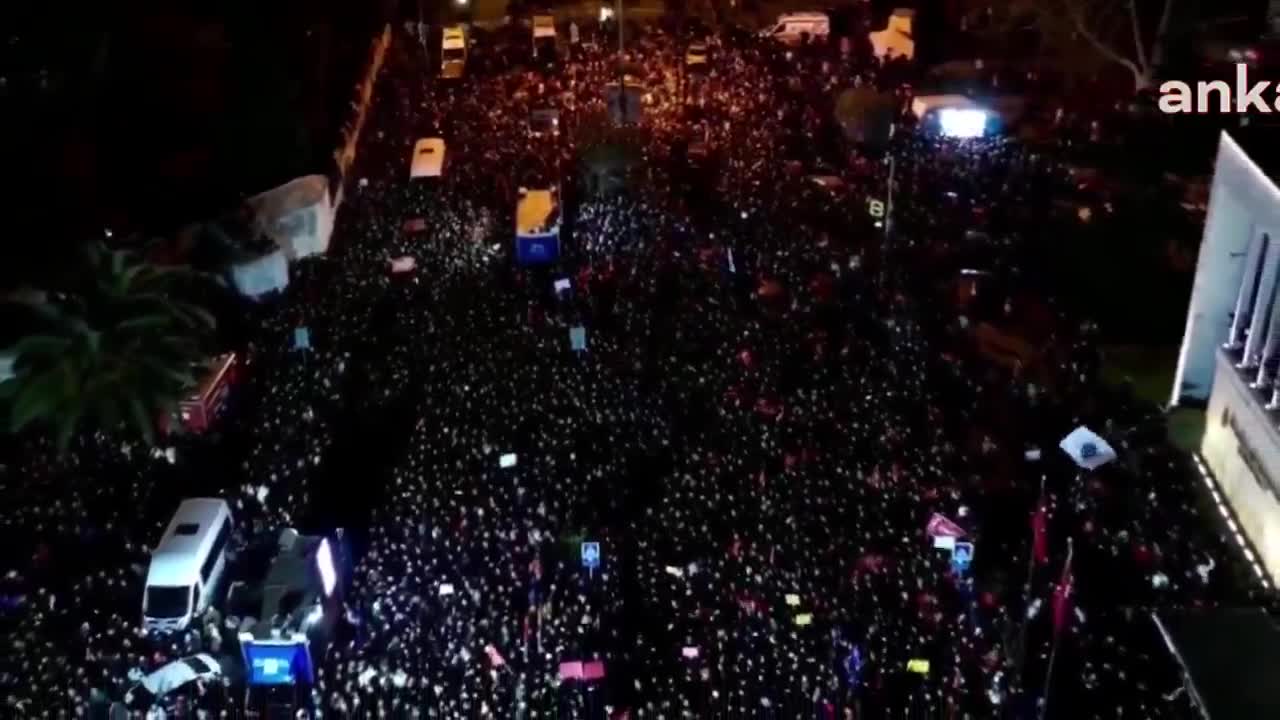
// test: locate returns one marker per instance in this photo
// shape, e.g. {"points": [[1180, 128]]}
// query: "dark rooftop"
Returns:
{"points": [[1232, 660]]}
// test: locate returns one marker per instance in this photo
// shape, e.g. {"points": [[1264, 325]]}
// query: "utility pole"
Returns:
{"points": [[682, 42], [1020, 660], [888, 222], [622, 86], [888, 205], [422, 33], [888, 211]]}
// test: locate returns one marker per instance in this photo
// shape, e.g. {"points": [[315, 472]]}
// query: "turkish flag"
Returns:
{"points": [[593, 670], [940, 525], [1040, 535]]}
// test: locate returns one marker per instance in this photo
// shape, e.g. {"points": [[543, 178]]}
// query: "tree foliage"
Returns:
{"points": [[865, 114], [608, 157], [119, 348], [1134, 34]]}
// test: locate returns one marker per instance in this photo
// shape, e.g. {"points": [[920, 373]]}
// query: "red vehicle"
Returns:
{"points": [[197, 412]]}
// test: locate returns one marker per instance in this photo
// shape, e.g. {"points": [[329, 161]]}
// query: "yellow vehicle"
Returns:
{"points": [[453, 52]]}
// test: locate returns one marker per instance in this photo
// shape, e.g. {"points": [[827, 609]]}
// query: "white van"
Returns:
{"points": [[792, 26], [187, 564]]}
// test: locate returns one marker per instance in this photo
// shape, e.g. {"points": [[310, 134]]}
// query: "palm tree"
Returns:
{"points": [[119, 348]]}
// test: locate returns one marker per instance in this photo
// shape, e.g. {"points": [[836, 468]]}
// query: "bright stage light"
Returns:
{"points": [[324, 563], [962, 122]]}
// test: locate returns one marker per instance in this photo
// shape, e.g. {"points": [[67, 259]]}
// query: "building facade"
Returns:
{"points": [[1230, 355]]}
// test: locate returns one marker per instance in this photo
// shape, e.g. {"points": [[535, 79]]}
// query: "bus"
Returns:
{"points": [[197, 412], [538, 226]]}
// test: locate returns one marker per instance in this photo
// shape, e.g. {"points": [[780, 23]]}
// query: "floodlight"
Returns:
{"points": [[324, 563], [962, 122]]}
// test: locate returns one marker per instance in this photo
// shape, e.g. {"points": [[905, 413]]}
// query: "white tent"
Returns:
{"points": [[896, 39], [261, 275], [7, 361]]}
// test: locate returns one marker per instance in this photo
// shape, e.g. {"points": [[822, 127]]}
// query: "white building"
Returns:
{"points": [[298, 215], [1231, 347]]}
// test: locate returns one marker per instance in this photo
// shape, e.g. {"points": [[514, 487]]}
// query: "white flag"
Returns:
{"points": [[1087, 449]]}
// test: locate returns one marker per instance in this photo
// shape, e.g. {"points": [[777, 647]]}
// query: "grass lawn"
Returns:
{"points": [[1150, 369], [1186, 426]]}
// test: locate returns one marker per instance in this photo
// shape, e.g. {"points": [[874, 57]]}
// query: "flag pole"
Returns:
{"points": [[1057, 635], [1026, 588]]}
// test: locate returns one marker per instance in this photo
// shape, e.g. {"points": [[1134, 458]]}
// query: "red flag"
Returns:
{"points": [[593, 670], [495, 657], [1062, 597], [1040, 535], [940, 525]]}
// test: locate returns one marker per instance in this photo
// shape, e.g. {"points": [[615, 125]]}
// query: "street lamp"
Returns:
{"points": [[622, 86]]}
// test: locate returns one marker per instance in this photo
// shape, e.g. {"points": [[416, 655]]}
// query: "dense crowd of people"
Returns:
{"points": [[772, 402]]}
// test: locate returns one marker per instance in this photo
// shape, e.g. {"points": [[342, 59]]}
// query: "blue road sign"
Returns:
{"points": [[591, 555], [961, 557], [302, 338]]}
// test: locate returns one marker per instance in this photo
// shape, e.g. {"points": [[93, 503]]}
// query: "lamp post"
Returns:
{"points": [[622, 87], [888, 213]]}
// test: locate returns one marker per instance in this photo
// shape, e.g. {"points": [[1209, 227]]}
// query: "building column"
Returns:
{"points": [[1245, 298], [1269, 358], [1270, 347], [1260, 318]]}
